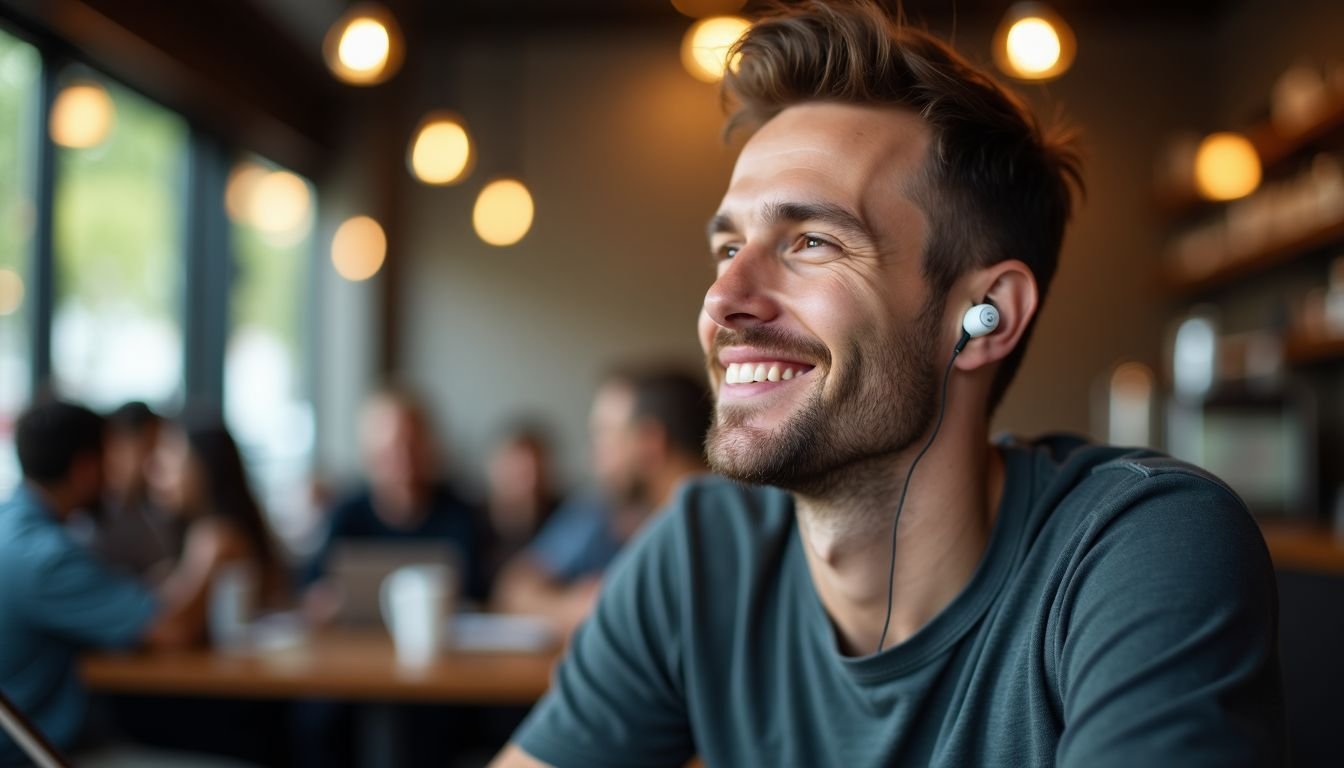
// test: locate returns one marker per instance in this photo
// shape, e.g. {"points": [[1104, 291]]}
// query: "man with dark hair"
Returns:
{"points": [[887, 237], [55, 597], [648, 431]]}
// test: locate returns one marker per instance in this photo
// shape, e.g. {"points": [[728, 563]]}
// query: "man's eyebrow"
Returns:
{"points": [[836, 216]]}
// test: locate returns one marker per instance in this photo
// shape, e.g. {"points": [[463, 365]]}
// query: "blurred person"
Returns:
{"points": [[521, 493], [404, 498], [197, 475], [884, 244], [56, 598], [130, 533], [647, 435]]}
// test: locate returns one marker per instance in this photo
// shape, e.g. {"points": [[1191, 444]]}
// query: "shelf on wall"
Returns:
{"points": [[1274, 148], [1259, 261], [1298, 546]]}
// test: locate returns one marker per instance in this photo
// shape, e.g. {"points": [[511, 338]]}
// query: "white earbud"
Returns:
{"points": [[980, 320]]}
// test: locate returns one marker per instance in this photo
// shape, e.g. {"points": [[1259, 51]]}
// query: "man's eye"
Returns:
{"points": [[814, 242], [728, 251]]}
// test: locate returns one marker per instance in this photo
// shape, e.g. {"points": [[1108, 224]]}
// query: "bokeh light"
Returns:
{"points": [[441, 152], [1226, 167], [82, 115], [1033, 43], [358, 248], [364, 46], [704, 49], [503, 212]]}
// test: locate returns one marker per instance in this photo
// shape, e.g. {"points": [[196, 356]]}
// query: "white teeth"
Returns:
{"points": [[746, 373]]}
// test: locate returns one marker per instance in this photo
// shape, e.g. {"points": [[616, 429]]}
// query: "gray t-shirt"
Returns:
{"points": [[1124, 613]]}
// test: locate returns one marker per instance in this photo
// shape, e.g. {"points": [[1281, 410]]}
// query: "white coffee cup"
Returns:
{"points": [[416, 601]]}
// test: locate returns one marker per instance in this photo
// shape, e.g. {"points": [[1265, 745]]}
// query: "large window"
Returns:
{"points": [[266, 390], [117, 331], [20, 69]]}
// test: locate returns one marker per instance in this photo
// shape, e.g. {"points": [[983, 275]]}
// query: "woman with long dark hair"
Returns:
{"points": [[197, 473]]}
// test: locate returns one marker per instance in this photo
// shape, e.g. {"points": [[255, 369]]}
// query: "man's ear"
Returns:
{"points": [[1011, 288]]}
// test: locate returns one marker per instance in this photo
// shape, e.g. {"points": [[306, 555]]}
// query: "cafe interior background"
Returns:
{"points": [[273, 206]]}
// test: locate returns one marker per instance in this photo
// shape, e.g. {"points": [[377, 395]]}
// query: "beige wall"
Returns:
{"points": [[622, 152]]}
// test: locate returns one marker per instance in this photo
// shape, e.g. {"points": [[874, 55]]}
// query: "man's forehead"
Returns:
{"points": [[845, 147]]}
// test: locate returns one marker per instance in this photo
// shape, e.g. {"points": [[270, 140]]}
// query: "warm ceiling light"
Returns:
{"points": [[1226, 167], [358, 248], [240, 190], [82, 115], [704, 49], [1033, 43], [279, 203], [503, 212], [441, 152], [11, 292], [698, 9], [364, 46]]}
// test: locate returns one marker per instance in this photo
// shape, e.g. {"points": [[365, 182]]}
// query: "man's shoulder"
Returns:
{"points": [[1088, 492]]}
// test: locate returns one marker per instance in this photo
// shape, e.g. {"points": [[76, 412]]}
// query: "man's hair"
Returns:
{"points": [[51, 435], [995, 186], [677, 402]]}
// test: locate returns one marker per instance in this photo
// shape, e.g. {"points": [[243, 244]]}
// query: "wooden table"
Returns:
{"points": [[355, 665], [1310, 547]]}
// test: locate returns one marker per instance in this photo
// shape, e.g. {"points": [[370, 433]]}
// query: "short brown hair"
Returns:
{"points": [[996, 185]]}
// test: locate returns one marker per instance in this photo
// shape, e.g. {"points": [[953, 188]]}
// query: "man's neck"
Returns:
{"points": [[58, 501], [945, 525]]}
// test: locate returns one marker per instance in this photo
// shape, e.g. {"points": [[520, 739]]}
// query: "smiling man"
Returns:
{"points": [[876, 583]]}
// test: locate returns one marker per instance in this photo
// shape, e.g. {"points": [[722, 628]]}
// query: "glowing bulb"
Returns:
{"points": [[11, 292], [503, 212], [1033, 43], [358, 248], [1033, 46], [364, 46], [82, 116], [1226, 167], [278, 204], [441, 151], [704, 49]]}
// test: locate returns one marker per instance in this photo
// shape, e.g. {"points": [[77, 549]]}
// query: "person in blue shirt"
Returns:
{"points": [[405, 499], [647, 431], [56, 598]]}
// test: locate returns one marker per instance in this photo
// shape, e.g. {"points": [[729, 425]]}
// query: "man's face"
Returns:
{"points": [[819, 292]]}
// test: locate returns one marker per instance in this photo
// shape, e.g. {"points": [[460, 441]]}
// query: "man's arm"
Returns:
{"points": [[1167, 649]]}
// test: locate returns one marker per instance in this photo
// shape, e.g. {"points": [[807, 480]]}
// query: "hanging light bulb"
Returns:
{"points": [[82, 115], [503, 212], [358, 248], [364, 46], [441, 152], [1226, 167], [704, 49], [1033, 43]]}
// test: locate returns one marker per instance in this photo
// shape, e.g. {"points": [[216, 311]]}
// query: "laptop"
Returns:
{"points": [[29, 739], [356, 570]]}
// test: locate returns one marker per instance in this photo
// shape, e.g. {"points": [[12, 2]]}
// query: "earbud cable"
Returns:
{"points": [[942, 408]]}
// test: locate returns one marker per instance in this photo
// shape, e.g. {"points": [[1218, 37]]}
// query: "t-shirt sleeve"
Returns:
{"points": [[617, 698], [1168, 653], [73, 595]]}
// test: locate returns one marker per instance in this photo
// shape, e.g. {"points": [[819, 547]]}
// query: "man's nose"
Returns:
{"points": [[741, 296]]}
